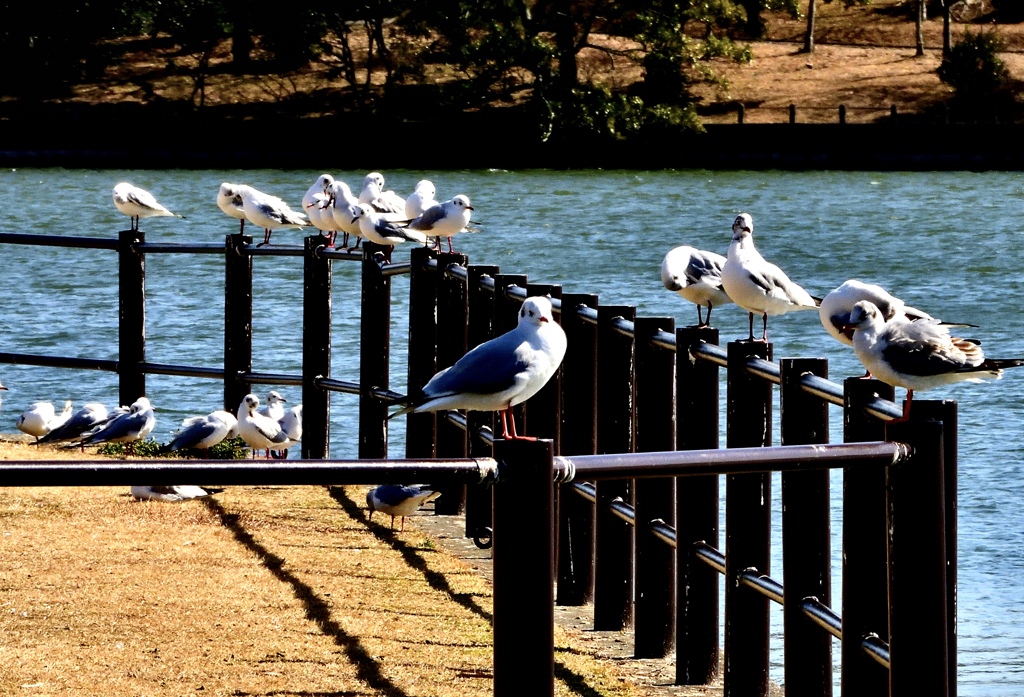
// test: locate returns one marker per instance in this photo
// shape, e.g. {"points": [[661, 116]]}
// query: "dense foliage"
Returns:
{"points": [[979, 78]]}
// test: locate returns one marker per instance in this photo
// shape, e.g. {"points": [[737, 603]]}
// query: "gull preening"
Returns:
{"points": [[396, 500], [229, 200], [918, 354], [697, 276], [500, 373], [421, 198], [444, 220], [40, 418], [374, 195], [126, 428], [268, 212], [757, 285], [343, 207], [204, 432], [138, 203], [170, 493], [315, 204], [85, 419]]}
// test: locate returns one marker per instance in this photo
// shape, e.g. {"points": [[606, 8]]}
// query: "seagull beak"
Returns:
{"points": [[470, 208], [543, 318]]}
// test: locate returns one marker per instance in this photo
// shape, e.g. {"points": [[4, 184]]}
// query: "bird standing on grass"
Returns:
{"points": [[88, 417], [41, 418], [396, 500], [697, 276], [171, 493], [500, 373], [260, 432], [204, 432], [138, 203], [126, 428]]}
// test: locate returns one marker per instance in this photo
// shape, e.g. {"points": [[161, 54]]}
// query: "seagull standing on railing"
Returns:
{"points": [[444, 220], [315, 206], [421, 198], [697, 276], [343, 207], [374, 195], [376, 227], [138, 203], [918, 355], [500, 373], [268, 212], [756, 285], [229, 200], [395, 500]]}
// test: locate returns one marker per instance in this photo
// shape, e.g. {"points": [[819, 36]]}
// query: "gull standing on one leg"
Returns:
{"points": [[138, 203], [269, 212], [229, 200]]}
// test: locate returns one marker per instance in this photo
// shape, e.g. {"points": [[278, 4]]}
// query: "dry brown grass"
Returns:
{"points": [[259, 591]]}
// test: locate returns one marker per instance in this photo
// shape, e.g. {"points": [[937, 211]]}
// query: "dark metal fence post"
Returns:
{"points": [[865, 593], [524, 569], [616, 542], [946, 412], [131, 350], [316, 350], [655, 604], [806, 538], [747, 525], [237, 320], [576, 521], [918, 650], [419, 428], [452, 311], [481, 329], [375, 333], [697, 507]]}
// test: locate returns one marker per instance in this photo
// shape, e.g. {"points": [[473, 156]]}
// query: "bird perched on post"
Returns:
{"points": [[230, 201], [396, 500], [126, 428], [697, 276], [500, 373], [756, 285], [444, 220], [920, 354], [138, 203], [268, 212]]}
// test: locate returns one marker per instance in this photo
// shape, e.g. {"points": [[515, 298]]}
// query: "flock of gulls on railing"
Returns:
{"points": [[897, 344]]}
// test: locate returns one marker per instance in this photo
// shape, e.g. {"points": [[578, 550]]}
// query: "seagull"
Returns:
{"points": [[204, 432], [421, 198], [697, 276], [170, 493], [918, 354], [315, 206], [395, 500], [444, 220], [268, 212], [274, 408], [229, 200], [500, 373], [756, 285], [1, 389], [382, 201], [343, 207], [375, 227], [837, 305], [291, 423], [127, 428], [138, 203], [85, 419], [40, 418], [258, 431]]}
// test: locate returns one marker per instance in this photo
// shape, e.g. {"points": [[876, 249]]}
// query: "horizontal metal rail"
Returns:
{"points": [[158, 472], [485, 434], [335, 385], [180, 248], [277, 250], [186, 370], [765, 585], [271, 378], [59, 361], [59, 241]]}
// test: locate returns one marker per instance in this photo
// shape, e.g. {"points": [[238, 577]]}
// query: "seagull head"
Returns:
{"points": [[863, 315], [462, 201], [324, 183], [358, 211], [251, 402], [425, 188], [743, 225], [535, 311], [374, 179], [139, 405], [274, 396]]}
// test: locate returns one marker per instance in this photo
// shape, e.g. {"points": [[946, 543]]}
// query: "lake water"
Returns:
{"points": [[947, 243]]}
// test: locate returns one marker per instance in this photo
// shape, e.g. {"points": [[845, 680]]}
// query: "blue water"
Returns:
{"points": [[944, 242]]}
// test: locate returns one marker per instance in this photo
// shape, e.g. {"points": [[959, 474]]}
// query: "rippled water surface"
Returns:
{"points": [[944, 242]]}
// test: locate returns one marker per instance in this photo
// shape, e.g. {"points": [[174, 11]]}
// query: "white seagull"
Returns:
{"points": [[274, 408], [88, 417], [138, 203], [919, 354], [396, 500], [500, 373], [315, 204], [382, 201], [229, 200], [421, 198], [258, 431], [170, 493], [444, 220], [375, 227], [127, 428], [291, 423], [40, 418], [268, 212], [697, 276], [756, 285], [343, 207], [204, 432]]}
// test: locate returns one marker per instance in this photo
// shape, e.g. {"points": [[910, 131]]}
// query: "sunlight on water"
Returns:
{"points": [[944, 242]]}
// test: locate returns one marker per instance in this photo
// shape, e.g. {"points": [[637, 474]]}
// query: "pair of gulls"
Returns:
{"points": [[897, 344], [270, 427]]}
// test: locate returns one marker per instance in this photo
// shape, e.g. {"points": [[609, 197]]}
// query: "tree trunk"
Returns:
{"points": [[947, 30], [809, 36], [919, 27], [241, 38], [565, 41]]}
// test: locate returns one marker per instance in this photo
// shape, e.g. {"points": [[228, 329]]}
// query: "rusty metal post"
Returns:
{"points": [[576, 521], [316, 350], [697, 508], [420, 428], [237, 320], [524, 569], [806, 534], [543, 411], [131, 332], [865, 593], [655, 603], [747, 525], [481, 329], [918, 647], [375, 338], [616, 542], [452, 312], [946, 412]]}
